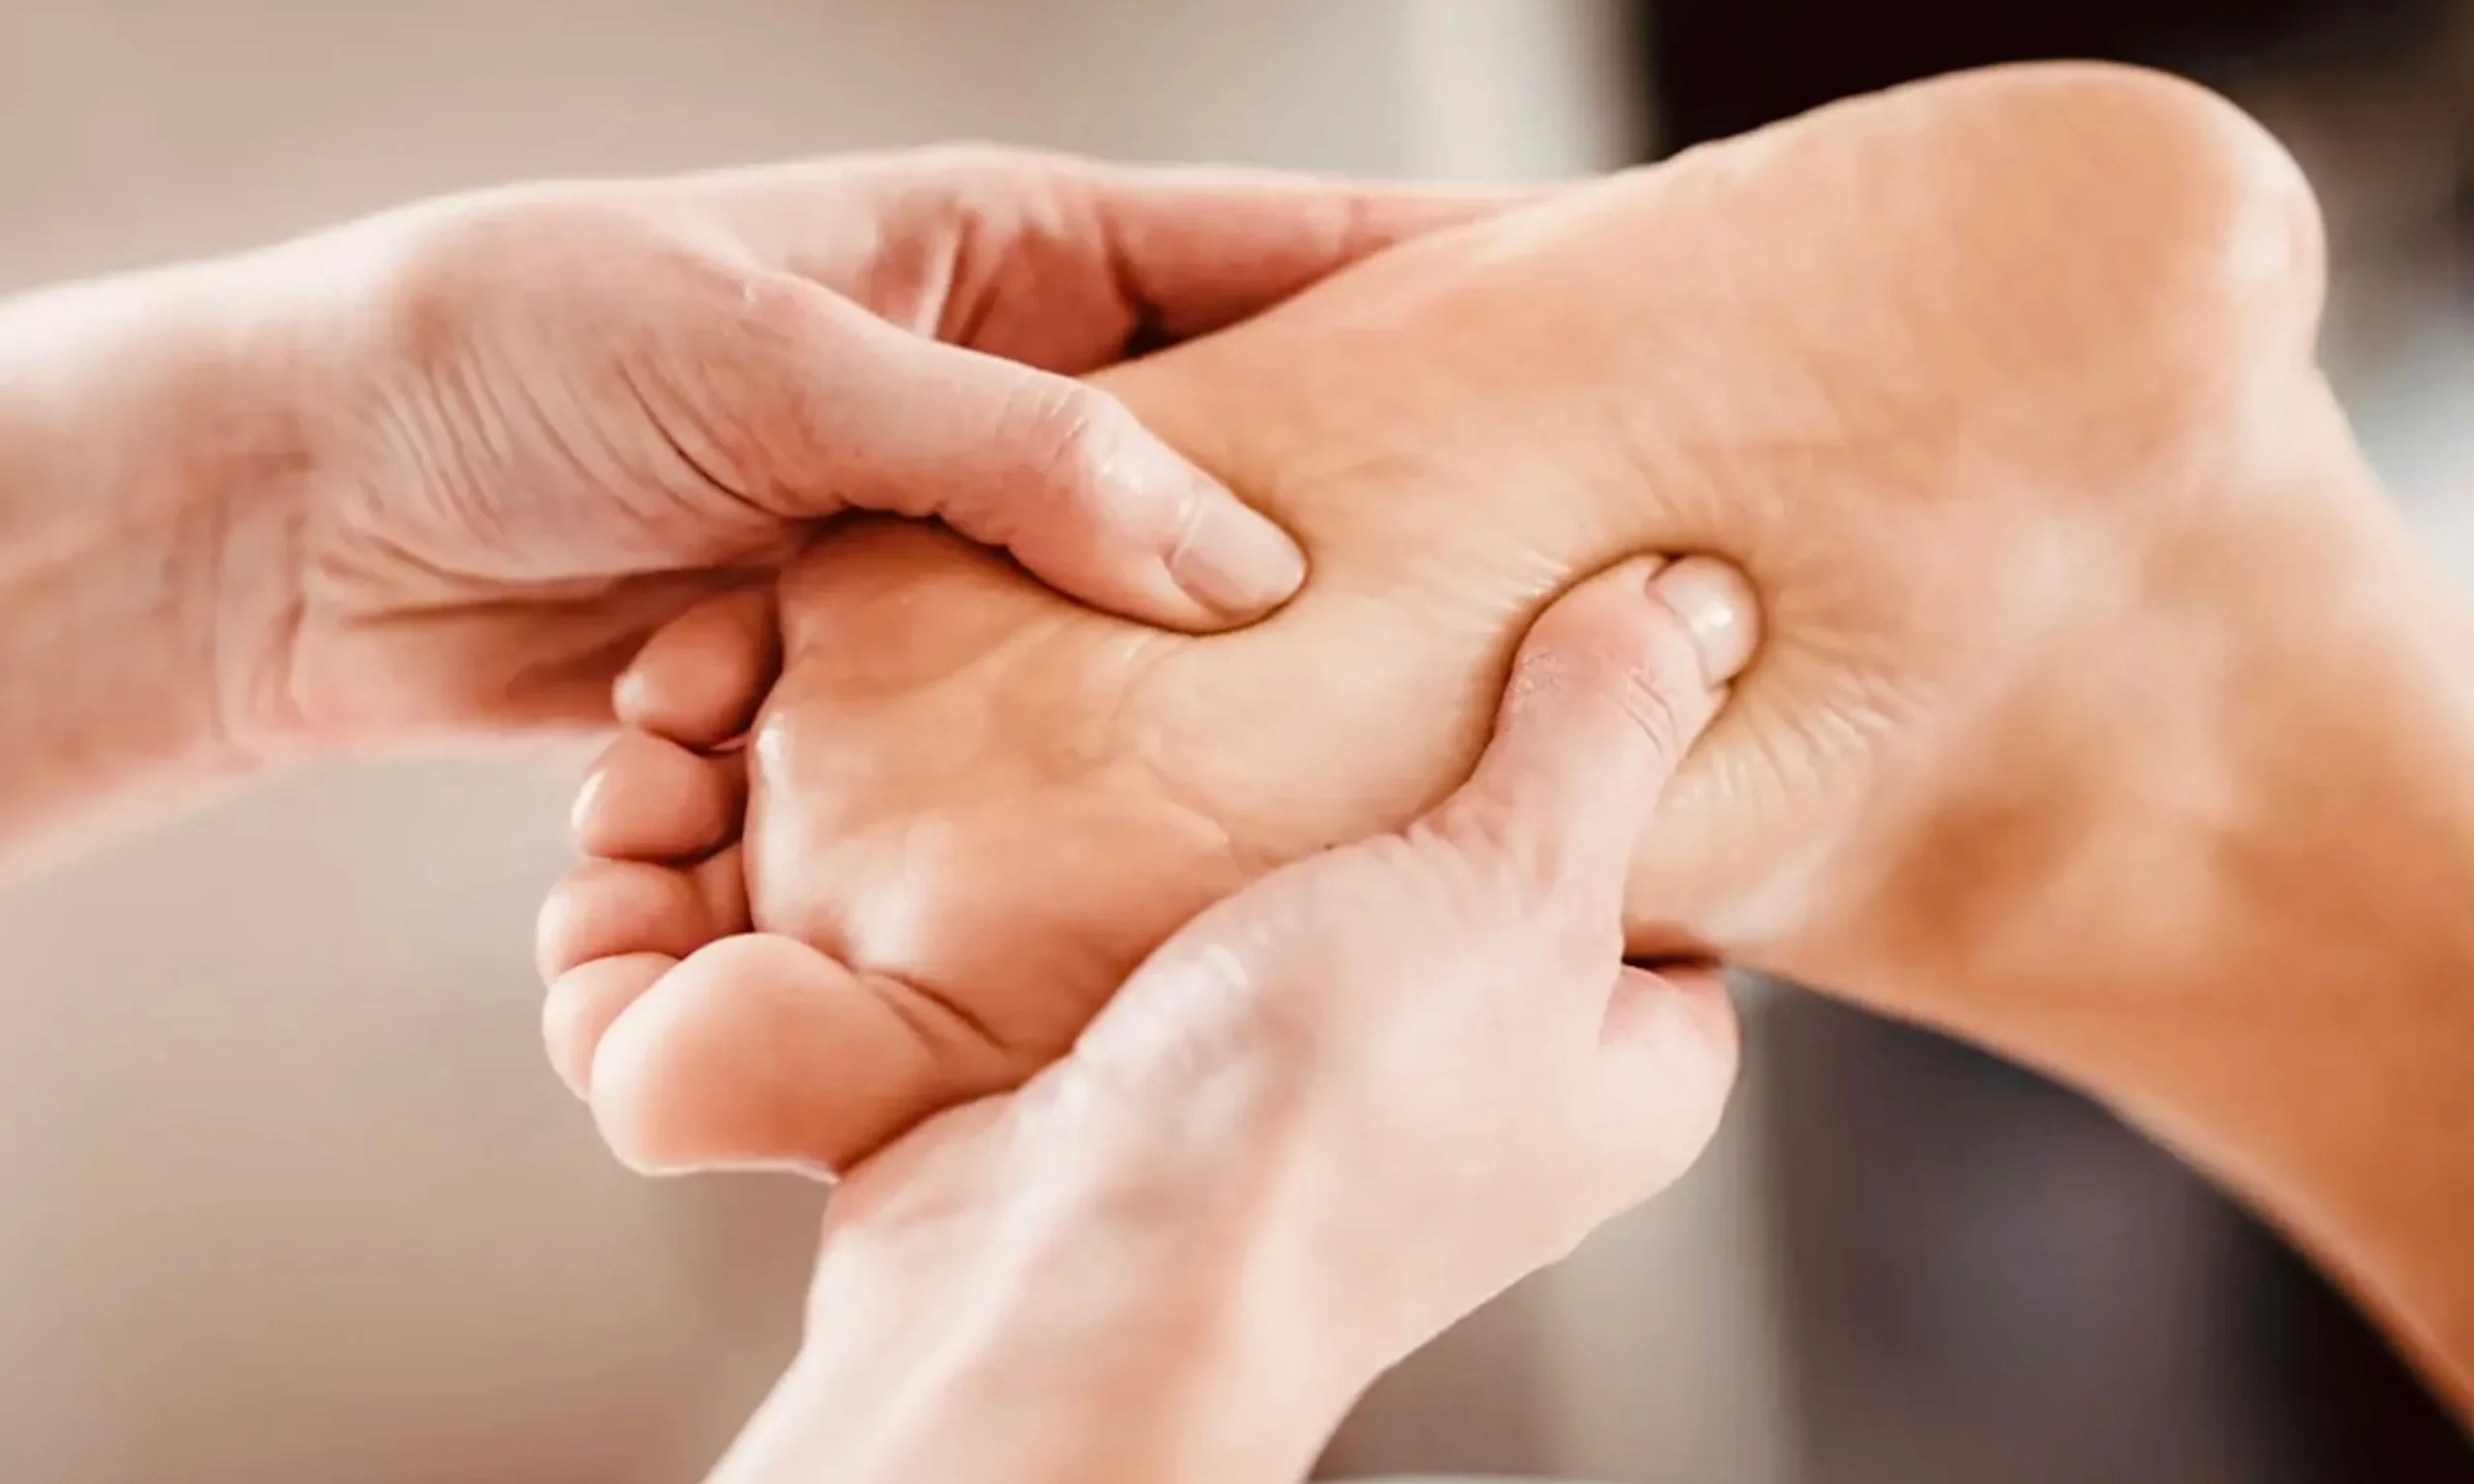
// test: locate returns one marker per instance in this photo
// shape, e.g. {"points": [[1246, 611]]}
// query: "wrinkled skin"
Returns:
{"points": [[1999, 387]]}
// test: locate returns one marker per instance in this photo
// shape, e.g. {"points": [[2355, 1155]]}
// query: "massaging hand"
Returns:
{"points": [[570, 403], [1332, 1115]]}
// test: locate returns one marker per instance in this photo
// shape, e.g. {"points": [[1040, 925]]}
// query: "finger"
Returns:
{"points": [[1608, 690], [943, 236], [1056, 471], [698, 680], [1669, 1052], [649, 799], [478, 672], [1199, 249]]}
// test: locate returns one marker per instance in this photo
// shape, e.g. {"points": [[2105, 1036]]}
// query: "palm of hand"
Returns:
{"points": [[1998, 387]]}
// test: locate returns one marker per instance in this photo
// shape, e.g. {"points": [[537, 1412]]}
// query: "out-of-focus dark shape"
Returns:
{"points": [[1725, 65], [1987, 1277]]}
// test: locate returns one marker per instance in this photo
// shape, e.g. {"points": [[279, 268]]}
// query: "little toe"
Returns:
{"points": [[699, 679], [649, 799], [759, 1051]]}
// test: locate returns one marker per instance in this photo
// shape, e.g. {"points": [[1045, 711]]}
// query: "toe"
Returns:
{"points": [[584, 1001], [762, 1052], [699, 679], [649, 799], [608, 908], [611, 930]]}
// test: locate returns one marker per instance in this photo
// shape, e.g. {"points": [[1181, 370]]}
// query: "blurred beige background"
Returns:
{"points": [[286, 1193]]}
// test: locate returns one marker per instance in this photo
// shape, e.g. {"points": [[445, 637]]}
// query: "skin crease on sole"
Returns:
{"points": [[1998, 387]]}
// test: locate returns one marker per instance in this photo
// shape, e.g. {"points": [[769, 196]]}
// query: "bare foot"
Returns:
{"points": [[1998, 387]]}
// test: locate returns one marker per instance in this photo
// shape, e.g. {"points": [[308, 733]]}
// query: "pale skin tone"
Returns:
{"points": [[2106, 716], [432, 477], [436, 474], [2190, 763]]}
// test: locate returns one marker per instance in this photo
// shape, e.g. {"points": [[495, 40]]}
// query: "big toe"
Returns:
{"points": [[759, 1051]]}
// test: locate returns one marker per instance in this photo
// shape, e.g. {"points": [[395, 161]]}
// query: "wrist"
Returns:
{"points": [[139, 417]]}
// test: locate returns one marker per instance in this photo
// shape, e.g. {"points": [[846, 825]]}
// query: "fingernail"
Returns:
{"points": [[1717, 604], [1233, 561]]}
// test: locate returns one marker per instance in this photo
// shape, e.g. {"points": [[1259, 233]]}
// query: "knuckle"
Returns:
{"points": [[492, 241], [472, 268], [1355, 228], [1650, 709], [990, 185], [974, 160], [1065, 437], [1605, 680], [999, 192], [1483, 826], [1515, 865]]}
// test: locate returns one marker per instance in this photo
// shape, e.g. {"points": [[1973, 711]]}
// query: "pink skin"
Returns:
{"points": [[2099, 689], [437, 474], [986, 805]]}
